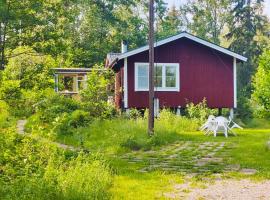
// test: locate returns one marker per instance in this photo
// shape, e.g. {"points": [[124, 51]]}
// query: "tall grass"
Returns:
{"points": [[122, 134], [31, 169]]}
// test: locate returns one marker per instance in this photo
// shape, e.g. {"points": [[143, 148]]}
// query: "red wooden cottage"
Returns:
{"points": [[187, 69]]}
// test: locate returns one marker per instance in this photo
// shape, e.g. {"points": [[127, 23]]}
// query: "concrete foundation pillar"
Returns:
{"points": [[232, 113]]}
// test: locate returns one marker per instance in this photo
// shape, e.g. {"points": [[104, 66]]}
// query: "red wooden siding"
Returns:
{"points": [[204, 72]]}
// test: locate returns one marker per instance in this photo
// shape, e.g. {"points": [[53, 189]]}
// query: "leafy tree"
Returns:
{"points": [[245, 23], [170, 24], [261, 83], [206, 18], [95, 95], [32, 69], [44, 25]]}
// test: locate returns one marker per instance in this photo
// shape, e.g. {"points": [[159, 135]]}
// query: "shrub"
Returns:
{"points": [[34, 170], [134, 114], [83, 178], [55, 105], [94, 97], [10, 92], [131, 143], [199, 111], [79, 118], [174, 123], [4, 114], [67, 123]]}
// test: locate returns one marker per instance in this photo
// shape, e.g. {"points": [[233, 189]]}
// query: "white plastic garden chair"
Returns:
{"points": [[221, 124], [233, 125], [218, 124], [209, 125]]}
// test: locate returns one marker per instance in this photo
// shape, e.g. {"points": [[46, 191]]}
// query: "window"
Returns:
{"points": [[158, 75], [166, 76], [81, 83], [142, 77]]}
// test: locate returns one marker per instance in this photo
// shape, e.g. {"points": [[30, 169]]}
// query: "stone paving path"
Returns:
{"points": [[20, 126], [21, 131], [190, 157]]}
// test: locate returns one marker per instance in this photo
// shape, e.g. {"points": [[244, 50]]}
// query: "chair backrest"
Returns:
{"points": [[221, 121]]}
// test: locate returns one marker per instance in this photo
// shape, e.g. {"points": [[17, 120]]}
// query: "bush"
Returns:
{"points": [[79, 118], [199, 111], [169, 121], [94, 97], [134, 114], [131, 143], [10, 92], [55, 105], [34, 170], [4, 114], [83, 178], [67, 123]]}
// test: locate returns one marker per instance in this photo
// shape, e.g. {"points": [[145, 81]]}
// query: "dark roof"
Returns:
{"points": [[74, 70]]}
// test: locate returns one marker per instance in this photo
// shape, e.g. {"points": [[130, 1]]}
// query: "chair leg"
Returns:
{"points": [[226, 132]]}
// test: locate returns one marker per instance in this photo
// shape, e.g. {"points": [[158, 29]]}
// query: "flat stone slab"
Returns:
{"points": [[248, 171]]}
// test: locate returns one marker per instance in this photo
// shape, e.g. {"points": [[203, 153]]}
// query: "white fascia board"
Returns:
{"points": [[189, 36]]}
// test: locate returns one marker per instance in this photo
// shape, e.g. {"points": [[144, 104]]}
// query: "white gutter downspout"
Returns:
{"points": [[124, 50]]}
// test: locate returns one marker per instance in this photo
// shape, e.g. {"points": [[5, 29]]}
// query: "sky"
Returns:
{"points": [[178, 2]]}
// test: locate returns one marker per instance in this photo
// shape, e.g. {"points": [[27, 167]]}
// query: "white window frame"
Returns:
{"points": [[163, 88]]}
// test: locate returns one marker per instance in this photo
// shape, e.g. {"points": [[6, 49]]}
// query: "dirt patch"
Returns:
{"points": [[223, 190]]}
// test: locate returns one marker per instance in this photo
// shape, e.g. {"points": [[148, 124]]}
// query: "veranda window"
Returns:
{"points": [[166, 77]]}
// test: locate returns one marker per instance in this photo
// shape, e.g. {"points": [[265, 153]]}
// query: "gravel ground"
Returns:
{"points": [[224, 190]]}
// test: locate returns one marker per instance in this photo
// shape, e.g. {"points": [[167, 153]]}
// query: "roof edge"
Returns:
{"points": [[189, 36]]}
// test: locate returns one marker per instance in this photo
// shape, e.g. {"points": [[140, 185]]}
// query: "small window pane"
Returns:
{"points": [[170, 76], [158, 76], [143, 82], [170, 82], [143, 77], [142, 70]]}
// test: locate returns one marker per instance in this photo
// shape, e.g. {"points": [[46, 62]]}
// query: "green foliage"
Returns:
{"points": [[54, 105], [170, 24], [134, 114], [261, 84], [26, 81], [4, 114], [206, 18], [81, 178], [199, 111], [246, 22], [170, 121], [67, 123], [31, 169], [10, 92], [117, 134], [33, 70], [95, 96]]}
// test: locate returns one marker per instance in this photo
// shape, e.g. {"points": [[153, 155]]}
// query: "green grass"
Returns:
{"points": [[132, 155]]}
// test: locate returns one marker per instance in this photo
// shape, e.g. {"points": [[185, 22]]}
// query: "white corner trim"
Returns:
{"points": [[125, 84], [189, 36], [163, 88], [234, 83]]}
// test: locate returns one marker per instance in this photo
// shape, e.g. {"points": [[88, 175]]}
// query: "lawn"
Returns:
{"points": [[150, 167]]}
